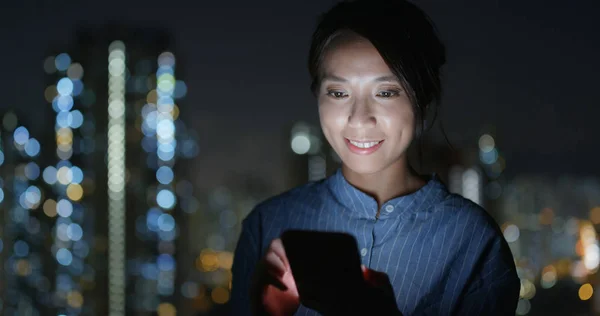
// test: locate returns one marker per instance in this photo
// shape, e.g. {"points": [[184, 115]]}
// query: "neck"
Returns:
{"points": [[394, 181]]}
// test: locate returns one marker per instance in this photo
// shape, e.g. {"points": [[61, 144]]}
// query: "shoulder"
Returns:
{"points": [[460, 212], [476, 232], [466, 227], [300, 195]]}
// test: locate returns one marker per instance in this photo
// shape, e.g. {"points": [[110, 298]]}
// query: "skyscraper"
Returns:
{"points": [[118, 136]]}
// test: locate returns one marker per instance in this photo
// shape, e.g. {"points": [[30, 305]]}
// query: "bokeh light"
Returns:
{"points": [[21, 135], [165, 262], [585, 292], [76, 175], [300, 143], [63, 103], [166, 222], [32, 148], [74, 232], [21, 248], [164, 175], [64, 257], [9, 121], [486, 143], [220, 295], [523, 307], [75, 71], [165, 199], [64, 175], [549, 277], [62, 61], [528, 289], [64, 86], [50, 208], [64, 208], [74, 192], [75, 299], [32, 171], [166, 309], [50, 175]]}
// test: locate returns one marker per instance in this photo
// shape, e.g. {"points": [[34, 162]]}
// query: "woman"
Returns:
{"points": [[375, 67]]}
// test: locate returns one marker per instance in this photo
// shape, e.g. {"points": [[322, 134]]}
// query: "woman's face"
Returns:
{"points": [[365, 113]]}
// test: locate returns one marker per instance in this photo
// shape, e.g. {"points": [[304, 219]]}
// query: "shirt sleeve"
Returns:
{"points": [[497, 298], [245, 258], [495, 288]]}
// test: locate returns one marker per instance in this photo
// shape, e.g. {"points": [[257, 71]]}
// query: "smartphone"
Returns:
{"points": [[326, 267]]}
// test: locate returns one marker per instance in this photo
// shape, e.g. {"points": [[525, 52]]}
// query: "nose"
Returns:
{"points": [[361, 115]]}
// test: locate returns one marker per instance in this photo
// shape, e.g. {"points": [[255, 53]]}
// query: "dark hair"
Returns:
{"points": [[405, 38]]}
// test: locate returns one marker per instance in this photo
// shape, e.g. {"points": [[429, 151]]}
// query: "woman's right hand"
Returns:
{"points": [[274, 289]]}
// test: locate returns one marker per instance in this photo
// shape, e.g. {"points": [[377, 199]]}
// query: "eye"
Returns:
{"points": [[388, 93], [337, 94]]}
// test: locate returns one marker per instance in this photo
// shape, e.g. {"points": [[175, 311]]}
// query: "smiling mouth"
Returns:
{"points": [[364, 144]]}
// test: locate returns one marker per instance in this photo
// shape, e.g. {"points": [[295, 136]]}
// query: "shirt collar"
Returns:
{"points": [[364, 206]]}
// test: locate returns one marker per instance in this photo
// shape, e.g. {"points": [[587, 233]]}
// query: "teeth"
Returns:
{"points": [[364, 145]]}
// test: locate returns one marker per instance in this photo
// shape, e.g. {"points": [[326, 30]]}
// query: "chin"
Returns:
{"points": [[363, 168]]}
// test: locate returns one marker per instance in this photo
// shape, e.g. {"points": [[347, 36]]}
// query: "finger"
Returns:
{"points": [[274, 264], [276, 282], [277, 247]]}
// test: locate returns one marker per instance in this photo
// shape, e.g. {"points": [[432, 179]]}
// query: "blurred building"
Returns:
{"points": [[551, 225], [475, 172], [111, 181], [311, 158], [25, 286], [216, 229], [137, 75]]}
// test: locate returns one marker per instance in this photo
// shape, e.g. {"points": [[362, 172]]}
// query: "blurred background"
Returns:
{"points": [[136, 135]]}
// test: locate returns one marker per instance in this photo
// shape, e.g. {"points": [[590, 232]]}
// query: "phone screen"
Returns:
{"points": [[325, 266]]}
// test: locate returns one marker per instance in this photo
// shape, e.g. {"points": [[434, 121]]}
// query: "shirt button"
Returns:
{"points": [[389, 208], [363, 252]]}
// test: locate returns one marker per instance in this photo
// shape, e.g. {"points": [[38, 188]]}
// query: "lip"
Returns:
{"points": [[363, 151]]}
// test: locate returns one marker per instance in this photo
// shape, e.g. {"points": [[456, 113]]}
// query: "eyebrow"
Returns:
{"points": [[378, 79], [386, 79], [333, 78]]}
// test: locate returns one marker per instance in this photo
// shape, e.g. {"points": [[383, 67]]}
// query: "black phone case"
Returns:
{"points": [[325, 266]]}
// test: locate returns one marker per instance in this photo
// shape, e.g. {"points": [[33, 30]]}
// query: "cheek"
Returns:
{"points": [[330, 117], [401, 123]]}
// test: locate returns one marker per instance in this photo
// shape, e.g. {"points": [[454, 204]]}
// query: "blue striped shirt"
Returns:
{"points": [[444, 254]]}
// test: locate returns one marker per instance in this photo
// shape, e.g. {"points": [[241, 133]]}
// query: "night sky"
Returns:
{"points": [[529, 68]]}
